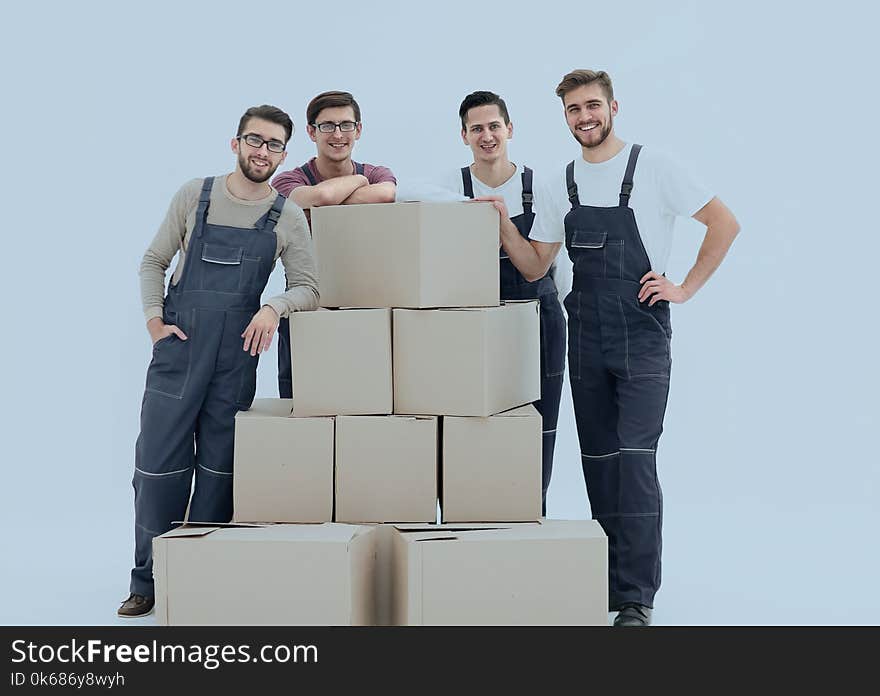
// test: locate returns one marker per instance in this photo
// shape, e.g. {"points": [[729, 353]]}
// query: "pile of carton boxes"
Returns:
{"points": [[412, 385]]}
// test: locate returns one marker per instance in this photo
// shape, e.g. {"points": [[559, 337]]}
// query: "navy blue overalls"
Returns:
{"points": [[515, 287], [285, 378], [195, 387], [619, 365]]}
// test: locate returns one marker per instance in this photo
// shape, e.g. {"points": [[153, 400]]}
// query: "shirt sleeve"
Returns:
{"points": [[378, 175], [165, 245], [680, 192], [548, 225], [285, 182], [297, 255]]}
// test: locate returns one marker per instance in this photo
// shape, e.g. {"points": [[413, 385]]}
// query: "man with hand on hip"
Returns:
{"points": [[615, 208]]}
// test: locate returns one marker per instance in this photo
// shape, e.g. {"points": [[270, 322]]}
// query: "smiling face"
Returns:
{"points": [[335, 146], [589, 114], [486, 133], [257, 164]]}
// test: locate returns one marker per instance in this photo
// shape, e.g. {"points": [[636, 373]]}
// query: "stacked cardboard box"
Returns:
{"points": [[412, 384]]}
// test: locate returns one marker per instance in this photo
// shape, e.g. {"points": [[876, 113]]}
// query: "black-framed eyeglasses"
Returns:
{"points": [[256, 142], [330, 126]]}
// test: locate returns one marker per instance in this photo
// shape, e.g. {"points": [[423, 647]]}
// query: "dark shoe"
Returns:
{"points": [[136, 605], [633, 614]]}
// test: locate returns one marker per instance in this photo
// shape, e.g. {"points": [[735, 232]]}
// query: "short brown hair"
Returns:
{"points": [[327, 100], [270, 113], [579, 78], [482, 98]]}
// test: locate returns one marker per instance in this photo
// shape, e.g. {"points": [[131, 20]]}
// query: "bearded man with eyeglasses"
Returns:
{"points": [[330, 178], [208, 332]]}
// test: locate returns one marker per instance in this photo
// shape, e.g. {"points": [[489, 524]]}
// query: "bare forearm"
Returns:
{"points": [[372, 193], [721, 230], [330, 192], [531, 259]]}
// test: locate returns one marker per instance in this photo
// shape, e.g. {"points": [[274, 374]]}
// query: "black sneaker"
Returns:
{"points": [[633, 614], [136, 605]]}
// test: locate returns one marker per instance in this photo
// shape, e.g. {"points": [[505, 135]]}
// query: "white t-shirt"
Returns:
{"points": [[662, 190], [511, 192]]}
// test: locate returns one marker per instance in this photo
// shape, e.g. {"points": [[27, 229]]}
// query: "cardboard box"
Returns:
{"points": [[341, 362], [552, 573], [491, 468], [386, 468], [305, 575], [283, 465], [407, 254], [466, 362]]}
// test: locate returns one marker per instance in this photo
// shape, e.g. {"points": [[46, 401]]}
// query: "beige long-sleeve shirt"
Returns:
{"points": [[294, 246]]}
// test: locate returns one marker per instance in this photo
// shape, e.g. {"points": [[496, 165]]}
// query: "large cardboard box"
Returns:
{"points": [[341, 362], [552, 573], [491, 468], [466, 362], [407, 254], [283, 465], [311, 575], [386, 468]]}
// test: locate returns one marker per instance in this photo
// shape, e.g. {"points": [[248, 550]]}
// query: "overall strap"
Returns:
{"points": [[467, 182], [627, 186], [359, 168], [527, 197], [308, 172], [274, 213], [572, 187], [204, 202]]}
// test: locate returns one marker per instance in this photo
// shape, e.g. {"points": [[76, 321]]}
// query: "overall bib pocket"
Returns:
{"points": [[221, 271]]}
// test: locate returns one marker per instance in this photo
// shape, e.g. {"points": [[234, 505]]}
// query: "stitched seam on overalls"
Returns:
{"points": [[625, 337], [219, 473], [599, 456], [636, 449], [545, 432], [167, 473]]}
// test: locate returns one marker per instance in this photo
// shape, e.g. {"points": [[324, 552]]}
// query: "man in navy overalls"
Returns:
{"points": [[208, 333], [332, 177], [621, 204], [526, 254]]}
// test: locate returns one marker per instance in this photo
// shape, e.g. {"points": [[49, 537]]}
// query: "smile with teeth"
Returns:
{"points": [[588, 127], [259, 163]]}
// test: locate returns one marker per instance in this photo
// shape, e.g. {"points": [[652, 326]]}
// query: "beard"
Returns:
{"points": [[604, 132], [251, 173]]}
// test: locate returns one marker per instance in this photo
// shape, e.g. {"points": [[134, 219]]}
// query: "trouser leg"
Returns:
{"points": [[231, 389], [285, 373], [642, 405], [162, 479], [552, 373]]}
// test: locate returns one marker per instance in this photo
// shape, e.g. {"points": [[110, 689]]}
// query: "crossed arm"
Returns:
{"points": [[343, 190]]}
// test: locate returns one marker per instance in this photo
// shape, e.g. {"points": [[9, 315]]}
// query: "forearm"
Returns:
{"points": [[373, 193], [330, 192], [717, 242], [531, 259]]}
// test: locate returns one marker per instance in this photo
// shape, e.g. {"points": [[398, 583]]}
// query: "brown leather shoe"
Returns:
{"points": [[136, 605]]}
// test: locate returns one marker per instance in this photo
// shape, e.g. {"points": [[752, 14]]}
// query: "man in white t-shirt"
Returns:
{"points": [[616, 206], [527, 248]]}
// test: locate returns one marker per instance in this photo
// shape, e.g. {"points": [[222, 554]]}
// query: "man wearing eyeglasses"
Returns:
{"points": [[330, 178], [208, 332]]}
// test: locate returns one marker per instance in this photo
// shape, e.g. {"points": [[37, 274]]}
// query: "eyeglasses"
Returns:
{"points": [[330, 126], [256, 142]]}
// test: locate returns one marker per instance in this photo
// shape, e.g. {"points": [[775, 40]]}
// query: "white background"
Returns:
{"points": [[768, 461]]}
